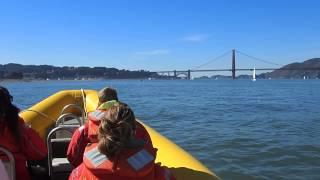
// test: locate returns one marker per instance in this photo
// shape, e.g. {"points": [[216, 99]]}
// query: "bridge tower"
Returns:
{"points": [[233, 64], [189, 74], [175, 74]]}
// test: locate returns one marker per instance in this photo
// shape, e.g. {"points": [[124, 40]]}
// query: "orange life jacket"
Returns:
{"points": [[88, 133], [94, 119], [129, 164]]}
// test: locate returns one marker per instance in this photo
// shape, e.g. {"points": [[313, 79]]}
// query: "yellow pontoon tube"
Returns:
{"points": [[44, 114]]}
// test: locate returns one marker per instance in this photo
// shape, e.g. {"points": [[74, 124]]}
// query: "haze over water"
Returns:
{"points": [[268, 129]]}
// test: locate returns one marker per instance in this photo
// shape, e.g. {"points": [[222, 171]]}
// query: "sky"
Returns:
{"points": [[158, 35]]}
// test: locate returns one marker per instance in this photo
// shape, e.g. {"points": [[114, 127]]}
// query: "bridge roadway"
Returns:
{"points": [[187, 73], [240, 69]]}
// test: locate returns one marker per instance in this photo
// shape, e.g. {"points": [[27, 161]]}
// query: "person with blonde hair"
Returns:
{"points": [[88, 133], [118, 154]]}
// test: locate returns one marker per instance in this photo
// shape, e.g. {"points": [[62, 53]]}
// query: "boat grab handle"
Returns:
{"points": [[74, 106], [62, 118]]}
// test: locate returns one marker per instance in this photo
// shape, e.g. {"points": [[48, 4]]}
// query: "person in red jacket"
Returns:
{"points": [[88, 133], [23, 142], [119, 154]]}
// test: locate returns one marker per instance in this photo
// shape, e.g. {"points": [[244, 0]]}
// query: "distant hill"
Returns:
{"points": [[18, 71], [296, 70]]}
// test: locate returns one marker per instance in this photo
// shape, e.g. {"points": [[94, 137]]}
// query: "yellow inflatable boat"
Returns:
{"points": [[43, 116]]}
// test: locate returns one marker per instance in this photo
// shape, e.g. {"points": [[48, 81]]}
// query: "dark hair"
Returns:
{"points": [[116, 129], [9, 114], [107, 94]]}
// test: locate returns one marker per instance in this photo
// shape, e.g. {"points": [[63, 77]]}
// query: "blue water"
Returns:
{"points": [[268, 129]]}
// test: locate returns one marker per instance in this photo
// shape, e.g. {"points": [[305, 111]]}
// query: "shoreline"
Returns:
{"points": [[79, 80]]}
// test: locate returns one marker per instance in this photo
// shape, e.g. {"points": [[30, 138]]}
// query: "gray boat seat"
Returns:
{"points": [[58, 165], [67, 119]]}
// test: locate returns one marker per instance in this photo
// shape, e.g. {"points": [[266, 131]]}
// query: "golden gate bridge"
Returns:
{"points": [[233, 69]]}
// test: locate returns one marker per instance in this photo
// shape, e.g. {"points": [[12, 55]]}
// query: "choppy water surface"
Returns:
{"points": [[268, 129]]}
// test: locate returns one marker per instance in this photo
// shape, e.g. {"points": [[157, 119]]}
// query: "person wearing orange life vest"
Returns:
{"points": [[89, 131], [22, 141], [119, 154]]}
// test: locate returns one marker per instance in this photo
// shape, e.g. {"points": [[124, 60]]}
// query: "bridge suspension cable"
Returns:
{"points": [[258, 59], [212, 60]]}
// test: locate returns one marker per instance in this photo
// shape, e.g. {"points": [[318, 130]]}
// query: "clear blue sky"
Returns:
{"points": [[157, 35]]}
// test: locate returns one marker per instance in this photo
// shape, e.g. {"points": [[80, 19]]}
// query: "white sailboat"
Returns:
{"points": [[254, 75]]}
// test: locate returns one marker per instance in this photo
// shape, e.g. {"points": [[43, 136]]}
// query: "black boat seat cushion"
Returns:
{"points": [[60, 147]]}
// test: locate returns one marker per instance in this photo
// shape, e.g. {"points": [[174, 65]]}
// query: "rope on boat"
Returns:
{"points": [[40, 113], [84, 102], [53, 120]]}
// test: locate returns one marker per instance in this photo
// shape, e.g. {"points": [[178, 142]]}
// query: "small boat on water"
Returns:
{"points": [[52, 114]]}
